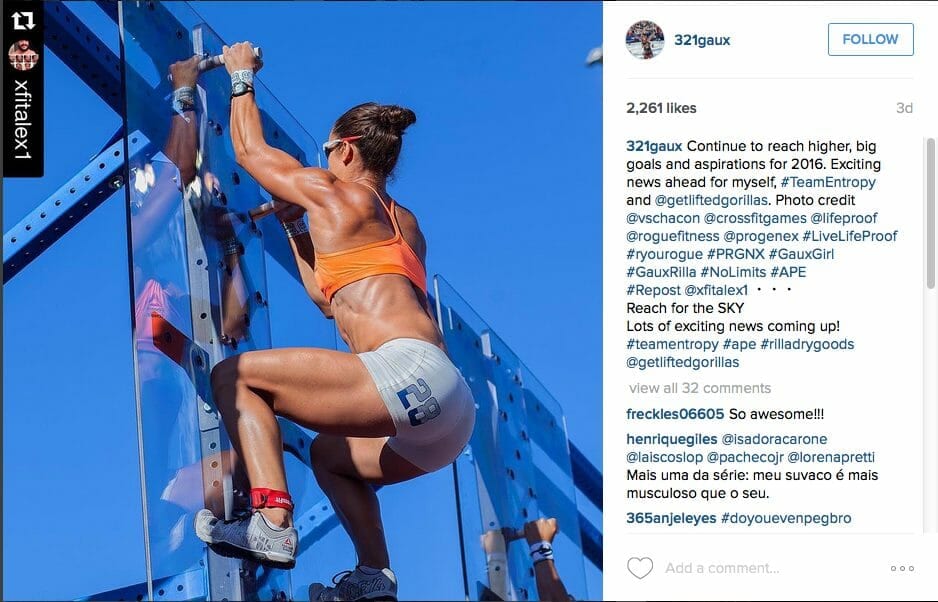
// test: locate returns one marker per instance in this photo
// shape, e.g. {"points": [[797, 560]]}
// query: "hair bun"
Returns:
{"points": [[397, 118]]}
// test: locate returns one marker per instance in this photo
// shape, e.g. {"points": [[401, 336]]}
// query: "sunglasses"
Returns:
{"points": [[331, 145]]}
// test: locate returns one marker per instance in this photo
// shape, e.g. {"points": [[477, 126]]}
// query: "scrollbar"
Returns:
{"points": [[930, 211]]}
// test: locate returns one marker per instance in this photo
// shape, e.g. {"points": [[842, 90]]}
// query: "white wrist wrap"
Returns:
{"points": [[541, 551]]}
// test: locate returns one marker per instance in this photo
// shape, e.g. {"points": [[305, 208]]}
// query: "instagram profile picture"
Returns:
{"points": [[21, 55], [645, 40]]}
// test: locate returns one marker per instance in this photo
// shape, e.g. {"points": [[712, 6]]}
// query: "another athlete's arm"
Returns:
{"points": [[162, 199], [183, 140], [549, 585]]}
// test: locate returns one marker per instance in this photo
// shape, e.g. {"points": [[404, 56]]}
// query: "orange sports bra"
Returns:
{"points": [[392, 256]]}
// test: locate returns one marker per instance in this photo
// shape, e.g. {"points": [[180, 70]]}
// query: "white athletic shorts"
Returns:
{"points": [[430, 403]]}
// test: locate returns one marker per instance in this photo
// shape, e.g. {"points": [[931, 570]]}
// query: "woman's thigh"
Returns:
{"points": [[321, 389], [364, 458]]}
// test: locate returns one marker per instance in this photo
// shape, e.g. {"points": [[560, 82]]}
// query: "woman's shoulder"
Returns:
{"points": [[410, 230], [406, 218]]}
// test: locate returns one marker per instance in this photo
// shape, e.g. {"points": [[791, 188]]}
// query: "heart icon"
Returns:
{"points": [[640, 567]]}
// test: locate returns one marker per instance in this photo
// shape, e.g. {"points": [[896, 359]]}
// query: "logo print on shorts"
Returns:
{"points": [[427, 408]]}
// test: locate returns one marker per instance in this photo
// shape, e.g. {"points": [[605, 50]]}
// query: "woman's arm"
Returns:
{"points": [[234, 307], [280, 174], [304, 253], [234, 294], [302, 246]]}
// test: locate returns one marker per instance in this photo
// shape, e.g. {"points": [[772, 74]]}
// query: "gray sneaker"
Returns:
{"points": [[364, 583], [249, 535]]}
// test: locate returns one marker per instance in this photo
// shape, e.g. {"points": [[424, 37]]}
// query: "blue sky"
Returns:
{"points": [[503, 169]]}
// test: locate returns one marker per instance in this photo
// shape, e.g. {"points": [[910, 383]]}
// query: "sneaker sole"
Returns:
{"points": [[313, 593]]}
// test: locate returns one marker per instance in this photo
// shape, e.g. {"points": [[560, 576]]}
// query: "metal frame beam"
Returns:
{"points": [[184, 586], [67, 206], [586, 477], [84, 53], [591, 539], [91, 60]]}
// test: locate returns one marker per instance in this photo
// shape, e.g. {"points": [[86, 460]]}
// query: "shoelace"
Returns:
{"points": [[337, 580], [341, 576]]}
